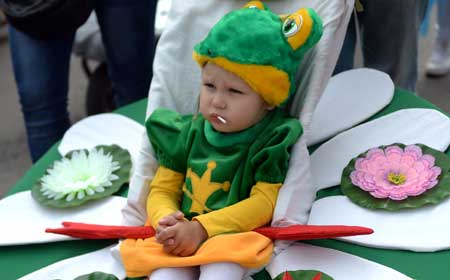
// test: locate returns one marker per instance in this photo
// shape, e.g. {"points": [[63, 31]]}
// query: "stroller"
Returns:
{"points": [[173, 70]]}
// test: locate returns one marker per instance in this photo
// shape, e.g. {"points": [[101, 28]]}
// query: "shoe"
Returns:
{"points": [[439, 62]]}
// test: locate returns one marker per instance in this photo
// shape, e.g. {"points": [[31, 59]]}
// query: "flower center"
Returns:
{"points": [[396, 179]]}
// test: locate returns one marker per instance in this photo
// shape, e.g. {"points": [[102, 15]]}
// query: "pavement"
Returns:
{"points": [[14, 156]]}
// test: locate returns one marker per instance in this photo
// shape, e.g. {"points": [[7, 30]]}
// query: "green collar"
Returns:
{"points": [[219, 139]]}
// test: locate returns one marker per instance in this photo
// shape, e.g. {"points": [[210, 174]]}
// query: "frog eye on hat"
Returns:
{"points": [[255, 5], [292, 25], [297, 28]]}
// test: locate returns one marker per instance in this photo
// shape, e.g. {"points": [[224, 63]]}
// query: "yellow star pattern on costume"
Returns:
{"points": [[203, 188]]}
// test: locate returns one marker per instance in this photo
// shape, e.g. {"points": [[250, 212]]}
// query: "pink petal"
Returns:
{"points": [[379, 193], [420, 166], [411, 174], [374, 165], [354, 178], [359, 164], [393, 153], [429, 159], [374, 153], [436, 172], [393, 149], [397, 196], [408, 160], [414, 149]]}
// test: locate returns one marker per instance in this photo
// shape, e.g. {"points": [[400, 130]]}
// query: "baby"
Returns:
{"points": [[221, 169]]}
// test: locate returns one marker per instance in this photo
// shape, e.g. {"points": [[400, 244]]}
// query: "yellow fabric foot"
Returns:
{"points": [[249, 249]]}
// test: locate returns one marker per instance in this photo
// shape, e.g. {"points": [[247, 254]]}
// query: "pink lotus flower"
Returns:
{"points": [[395, 173]]}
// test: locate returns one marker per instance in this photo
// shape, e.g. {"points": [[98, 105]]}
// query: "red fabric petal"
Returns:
{"points": [[295, 232], [287, 276], [308, 232], [91, 231]]}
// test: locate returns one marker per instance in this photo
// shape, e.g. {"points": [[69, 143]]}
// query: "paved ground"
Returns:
{"points": [[14, 158]]}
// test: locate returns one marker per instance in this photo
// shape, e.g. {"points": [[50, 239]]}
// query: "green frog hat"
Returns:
{"points": [[262, 48]]}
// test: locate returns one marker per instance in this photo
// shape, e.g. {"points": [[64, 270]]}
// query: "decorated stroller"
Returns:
{"points": [[307, 196]]}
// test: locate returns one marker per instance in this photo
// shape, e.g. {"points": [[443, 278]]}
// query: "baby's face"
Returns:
{"points": [[228, 102]]}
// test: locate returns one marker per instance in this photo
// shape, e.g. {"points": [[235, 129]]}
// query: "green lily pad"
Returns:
{"points": [[118, 154], [304, 275], [432, 196], [97, 276]]}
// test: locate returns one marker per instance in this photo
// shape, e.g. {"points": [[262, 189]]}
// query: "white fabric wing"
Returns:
{"points": [[100, 260], [103, 129], [424, 229], [350, 98], [24, 220]]}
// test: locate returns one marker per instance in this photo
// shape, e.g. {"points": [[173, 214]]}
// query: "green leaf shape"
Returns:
{"points": [[432, 196], [120, 155], [98, 275], [304, 275]]}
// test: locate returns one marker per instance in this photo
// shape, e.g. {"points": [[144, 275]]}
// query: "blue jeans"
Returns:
{"points": [[41, 68], [389, 39]]}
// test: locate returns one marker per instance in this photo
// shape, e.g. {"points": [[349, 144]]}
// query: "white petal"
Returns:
{"points": [[70, 197], [338, 108], [80, 194], [30, 218], [99, 189], [424, 229], [96, 130]]}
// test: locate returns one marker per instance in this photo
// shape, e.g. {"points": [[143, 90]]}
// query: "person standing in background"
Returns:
{"points": [[41, 63], [439, 62], [389, 33]]}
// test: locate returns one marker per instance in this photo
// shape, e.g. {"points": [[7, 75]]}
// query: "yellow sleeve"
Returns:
{"points": [[165, 194], [246, 215]]}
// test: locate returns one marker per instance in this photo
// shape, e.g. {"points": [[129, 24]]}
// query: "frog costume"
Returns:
{"points": [[228, 182]]}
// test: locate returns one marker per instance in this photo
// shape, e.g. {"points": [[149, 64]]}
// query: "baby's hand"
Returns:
{"points": [[187, 237], [168, 221]]}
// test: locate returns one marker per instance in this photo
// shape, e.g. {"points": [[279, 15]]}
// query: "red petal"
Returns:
{"points": [[91, 231], [287, 276], [308, 232], [295, 232]]}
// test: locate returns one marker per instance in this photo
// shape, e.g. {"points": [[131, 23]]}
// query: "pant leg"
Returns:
{"points": [[41, 70], [175, 273], [443, 20], [221, 271], [347, 56], [127, 28], [390, 31]]}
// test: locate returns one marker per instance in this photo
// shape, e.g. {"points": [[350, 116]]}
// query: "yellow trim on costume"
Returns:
{"points": [[305, 24], [256, 4], [271, 83], [165, 194], [245, 215], [283, 17], [250, 249], [203, 188]]}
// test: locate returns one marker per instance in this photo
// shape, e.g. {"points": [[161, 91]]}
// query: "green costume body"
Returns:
{"points": [[226, 166]]}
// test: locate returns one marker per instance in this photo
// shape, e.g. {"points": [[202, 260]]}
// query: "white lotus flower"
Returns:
{"points": [[83, 174]]}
